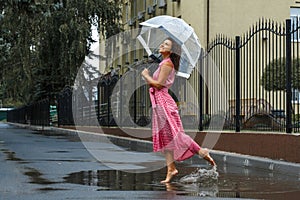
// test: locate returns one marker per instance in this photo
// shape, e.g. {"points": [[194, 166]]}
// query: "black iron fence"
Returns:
{"points": [[260, 75], [35, 114], [256, 78], [64, 107]]}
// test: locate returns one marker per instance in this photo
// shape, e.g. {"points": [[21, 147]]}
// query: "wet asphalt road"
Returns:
{"points": [[46, 165], [37, 165]]}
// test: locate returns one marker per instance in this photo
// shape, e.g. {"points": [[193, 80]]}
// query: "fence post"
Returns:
{"points": [[98, 103], [107, 90], [237, 82], [200, 126], [288, 78], [135, 100], [121, 101]]}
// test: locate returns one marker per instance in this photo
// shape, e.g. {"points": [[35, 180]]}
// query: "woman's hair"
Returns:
{"points": [[176, 52]]}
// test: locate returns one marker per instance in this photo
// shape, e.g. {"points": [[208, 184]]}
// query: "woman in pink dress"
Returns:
{"points": [[167, 130]]}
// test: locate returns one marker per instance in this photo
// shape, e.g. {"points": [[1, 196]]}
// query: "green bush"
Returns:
{"points": [[274, 75]]}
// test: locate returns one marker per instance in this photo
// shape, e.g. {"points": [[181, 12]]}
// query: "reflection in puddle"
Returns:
{"points": [[115, 180]]}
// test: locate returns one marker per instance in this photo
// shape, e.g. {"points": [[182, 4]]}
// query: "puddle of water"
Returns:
{"points": [[36, 177], [119, 180], [58, 151], [51, 189], [10, 155], [193, 181]]}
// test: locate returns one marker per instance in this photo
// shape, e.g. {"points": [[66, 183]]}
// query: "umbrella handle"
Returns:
{"points": [[156, 59]]}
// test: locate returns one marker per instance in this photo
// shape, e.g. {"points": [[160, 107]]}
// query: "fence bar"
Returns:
{"points": [[288, 78], [201, 60], [237, 82]]}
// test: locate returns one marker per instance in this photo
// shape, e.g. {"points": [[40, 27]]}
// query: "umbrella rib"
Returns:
{"points": [[182, 74], [144, 44], [189, 55]]}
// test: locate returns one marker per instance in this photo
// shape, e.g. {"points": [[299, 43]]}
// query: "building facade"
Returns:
{"points": [[211, 17]]}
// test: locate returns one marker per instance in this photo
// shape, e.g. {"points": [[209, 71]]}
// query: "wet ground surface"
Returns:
{"points": [[43, 165]]}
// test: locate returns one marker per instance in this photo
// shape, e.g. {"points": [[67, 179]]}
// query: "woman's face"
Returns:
{"points": [[165, 47]]}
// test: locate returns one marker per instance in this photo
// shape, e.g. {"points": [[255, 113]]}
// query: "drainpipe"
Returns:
{"points": [[207, 42], [207, 23]]}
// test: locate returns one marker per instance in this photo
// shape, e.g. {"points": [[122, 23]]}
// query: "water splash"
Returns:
{"points": [[201, 175]]}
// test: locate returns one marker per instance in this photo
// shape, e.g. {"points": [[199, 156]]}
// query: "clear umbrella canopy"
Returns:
{"points": [[155, 30]]}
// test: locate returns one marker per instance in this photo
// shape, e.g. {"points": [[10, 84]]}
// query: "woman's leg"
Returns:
{"points": [[172, 171]]}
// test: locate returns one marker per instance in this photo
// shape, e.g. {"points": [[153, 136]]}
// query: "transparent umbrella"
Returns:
{"points": [[155, 30]]}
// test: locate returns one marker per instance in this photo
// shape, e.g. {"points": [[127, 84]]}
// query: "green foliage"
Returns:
{"points": [[274, 75], [43, 43]]}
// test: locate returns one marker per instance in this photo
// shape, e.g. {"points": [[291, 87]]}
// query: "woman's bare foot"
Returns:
{"points": [[170, 175], [210, 160], [204, 153]]}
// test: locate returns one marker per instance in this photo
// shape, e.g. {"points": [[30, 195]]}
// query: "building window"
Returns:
{"points": [[127, 11], [134, 8], [295, 20], [154, 2], [295, 96]]}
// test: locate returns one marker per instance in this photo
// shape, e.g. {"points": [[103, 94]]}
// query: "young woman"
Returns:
{"points": [[167, 130]]}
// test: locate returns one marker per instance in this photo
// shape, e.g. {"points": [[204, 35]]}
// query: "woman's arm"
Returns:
{"points": [[165, 70]]}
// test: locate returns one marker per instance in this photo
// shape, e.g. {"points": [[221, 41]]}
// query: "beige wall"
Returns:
{"points": [[234, 17], [194, 12], [231, 17]]}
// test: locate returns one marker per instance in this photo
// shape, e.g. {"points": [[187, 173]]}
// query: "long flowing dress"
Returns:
{"points": [[167, 130]]}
